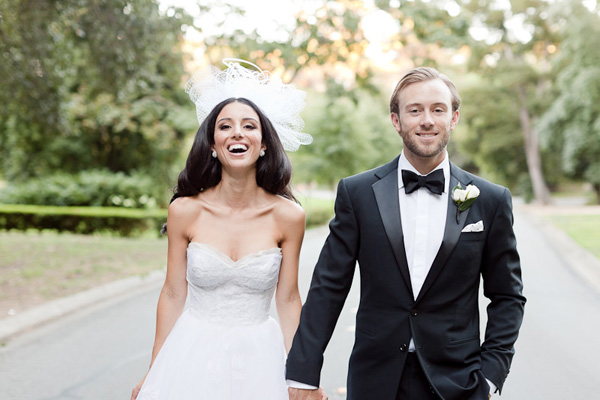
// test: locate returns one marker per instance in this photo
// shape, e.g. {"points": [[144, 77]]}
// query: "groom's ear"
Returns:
{"points": [[455, 118], [396, 121]]}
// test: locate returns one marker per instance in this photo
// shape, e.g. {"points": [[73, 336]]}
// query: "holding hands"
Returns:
{"points": [[136, 390], [307, 394]]}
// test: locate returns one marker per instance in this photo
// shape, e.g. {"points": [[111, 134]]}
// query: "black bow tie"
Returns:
{"points": [[434, 181]]}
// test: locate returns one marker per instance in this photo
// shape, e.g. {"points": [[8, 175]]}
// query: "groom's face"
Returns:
{"points": [[425, 119]]}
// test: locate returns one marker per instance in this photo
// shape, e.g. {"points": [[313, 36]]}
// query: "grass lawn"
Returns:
{"points": [[584, 229], [37, 267]]}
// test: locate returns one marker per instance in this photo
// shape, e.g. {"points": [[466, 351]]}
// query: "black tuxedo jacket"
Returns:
{"points": [[443, 320]]}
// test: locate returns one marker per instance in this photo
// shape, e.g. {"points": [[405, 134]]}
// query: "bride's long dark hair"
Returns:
{"points": [[202, 171]]}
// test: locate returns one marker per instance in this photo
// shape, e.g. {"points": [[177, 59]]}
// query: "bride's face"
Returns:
{"points": [[238, 136]]}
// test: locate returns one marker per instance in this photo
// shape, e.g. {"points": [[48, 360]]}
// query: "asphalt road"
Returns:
{"points": [[101, 353]]}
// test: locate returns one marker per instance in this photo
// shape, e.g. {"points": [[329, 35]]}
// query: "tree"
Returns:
{"points": [[90, 84], [571, 126], [349, 136], [494, 139]]}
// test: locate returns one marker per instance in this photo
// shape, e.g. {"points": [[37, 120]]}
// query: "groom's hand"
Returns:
{"points": [[307, 394]]}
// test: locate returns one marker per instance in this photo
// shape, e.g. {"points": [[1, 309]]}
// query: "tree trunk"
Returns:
{"points": [[532, 149], [532, 152]]}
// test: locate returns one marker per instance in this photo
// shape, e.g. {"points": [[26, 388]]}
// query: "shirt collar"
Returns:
{"points": [[403, 163]]}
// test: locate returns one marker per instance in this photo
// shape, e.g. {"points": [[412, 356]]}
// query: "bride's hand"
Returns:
{"points": [[137, 388], [323, 394]]}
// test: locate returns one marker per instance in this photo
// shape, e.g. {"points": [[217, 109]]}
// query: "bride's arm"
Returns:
{"points": [[174, 291], [287, 297]]}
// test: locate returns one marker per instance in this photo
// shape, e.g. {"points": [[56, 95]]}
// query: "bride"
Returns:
{"points": [[234, 234]]}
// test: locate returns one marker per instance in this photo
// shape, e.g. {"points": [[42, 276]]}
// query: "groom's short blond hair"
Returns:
{"points": [[422, 74]]}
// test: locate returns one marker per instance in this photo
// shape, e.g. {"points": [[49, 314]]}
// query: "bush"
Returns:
{"points": [[318, 211], [87, 188], [318, 217], [85, 220]]}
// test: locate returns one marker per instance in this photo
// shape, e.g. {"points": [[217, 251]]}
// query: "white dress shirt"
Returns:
{"points": [[423, 216]]}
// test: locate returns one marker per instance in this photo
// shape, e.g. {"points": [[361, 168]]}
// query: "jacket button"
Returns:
{"points": [[403, 347], [413, 313]]}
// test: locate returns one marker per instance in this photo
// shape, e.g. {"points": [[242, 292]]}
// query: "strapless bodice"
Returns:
{"points": [[231, 292]]}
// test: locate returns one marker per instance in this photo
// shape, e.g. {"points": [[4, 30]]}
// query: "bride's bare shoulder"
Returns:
{"points": [[185, 207], [289, 212]]}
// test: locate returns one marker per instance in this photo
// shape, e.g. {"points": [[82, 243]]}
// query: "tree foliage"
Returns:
{"points": [[89, 84], [330, 40], [349, 136], [508, 45], [571, 126]]}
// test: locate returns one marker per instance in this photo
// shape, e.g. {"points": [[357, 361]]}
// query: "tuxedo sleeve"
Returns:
{"points": [[502, 284], [329, 288]]}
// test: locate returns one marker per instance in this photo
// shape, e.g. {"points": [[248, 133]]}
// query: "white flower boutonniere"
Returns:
{"points": [[464, 198]]}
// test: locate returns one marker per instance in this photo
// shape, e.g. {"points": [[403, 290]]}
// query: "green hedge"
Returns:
{"points": [[85, 220], [116, 220]]}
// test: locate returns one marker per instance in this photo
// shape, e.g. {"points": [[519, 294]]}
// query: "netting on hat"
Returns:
{"points": [[281, 103]]}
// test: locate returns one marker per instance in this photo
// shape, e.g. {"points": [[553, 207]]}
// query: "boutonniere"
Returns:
{"points": [[464, 198]]}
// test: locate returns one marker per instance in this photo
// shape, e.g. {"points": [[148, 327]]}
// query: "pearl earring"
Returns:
{"points": [[261, 153], [214, 154]]}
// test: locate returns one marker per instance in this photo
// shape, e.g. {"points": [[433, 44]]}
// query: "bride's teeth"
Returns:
{"points": [[237, 147]]}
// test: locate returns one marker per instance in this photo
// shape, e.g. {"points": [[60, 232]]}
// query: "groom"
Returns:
{"points": [[421, 258]]}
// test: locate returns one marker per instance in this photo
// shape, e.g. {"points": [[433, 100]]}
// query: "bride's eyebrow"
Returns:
{"points": [[243, 119]]}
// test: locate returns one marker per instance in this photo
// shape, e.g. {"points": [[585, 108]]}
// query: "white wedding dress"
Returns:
{"points": [[224, 345]]}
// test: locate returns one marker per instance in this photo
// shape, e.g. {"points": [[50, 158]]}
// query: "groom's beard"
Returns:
{"points": [[411, 141]]}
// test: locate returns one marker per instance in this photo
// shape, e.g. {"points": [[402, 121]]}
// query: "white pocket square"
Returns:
{"points": [[476, 227]]}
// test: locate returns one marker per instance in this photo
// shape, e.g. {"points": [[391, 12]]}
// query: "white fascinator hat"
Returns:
{"points": [[281, 103]]}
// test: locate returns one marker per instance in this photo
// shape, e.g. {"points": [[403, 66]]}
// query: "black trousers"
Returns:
{"points": [[413, 383]]}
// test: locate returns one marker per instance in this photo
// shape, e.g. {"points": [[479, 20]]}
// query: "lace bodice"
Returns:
{"points": [[231, 292]]}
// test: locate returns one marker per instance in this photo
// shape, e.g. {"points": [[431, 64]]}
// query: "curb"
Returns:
{"points": [[32, 318]]}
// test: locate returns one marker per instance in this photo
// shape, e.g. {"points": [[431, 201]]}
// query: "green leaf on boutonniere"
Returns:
{"points": [[464, 198], [466, 204]]}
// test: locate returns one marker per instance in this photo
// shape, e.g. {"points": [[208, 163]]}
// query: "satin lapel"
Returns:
{"points": [[451, 231], [386, 195]]}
